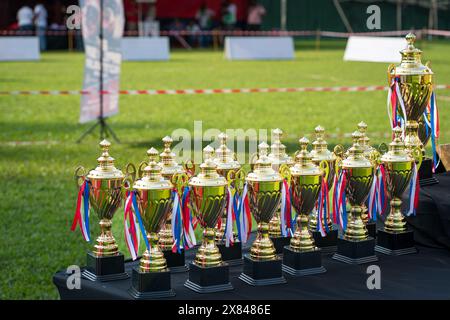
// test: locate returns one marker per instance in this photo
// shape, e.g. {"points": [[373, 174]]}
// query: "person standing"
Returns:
{"points": [[229, 15], [204, 18], [25, 18], [40, 21], [255, 14]]}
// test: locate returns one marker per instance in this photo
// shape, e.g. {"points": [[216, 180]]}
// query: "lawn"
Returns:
{"points": [[38, 133]]}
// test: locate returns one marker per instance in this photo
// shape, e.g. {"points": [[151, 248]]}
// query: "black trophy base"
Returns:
{"points": [[327, 244], [108, 268], [302, 263], [262, 273], [231, 255], [426, 176], [208, 279], [175, 261], [355, 252], [372, 229], [395, 244], [150, 285], [279, 243]]}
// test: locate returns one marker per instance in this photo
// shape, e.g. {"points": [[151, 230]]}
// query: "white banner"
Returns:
{"points": [[374, 49], [113, 24]]}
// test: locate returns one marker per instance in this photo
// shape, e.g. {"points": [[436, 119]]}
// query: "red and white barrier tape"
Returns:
{"points": [[205, 91]]}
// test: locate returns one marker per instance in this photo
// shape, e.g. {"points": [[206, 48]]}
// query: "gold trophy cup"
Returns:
{"points": [[105, 262], [262, 266], [302, 257], [154, 199], [396, 239], [208, 273], [356, 247]]}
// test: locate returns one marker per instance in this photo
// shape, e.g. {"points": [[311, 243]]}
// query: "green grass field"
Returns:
{"points": [[38, 192]]}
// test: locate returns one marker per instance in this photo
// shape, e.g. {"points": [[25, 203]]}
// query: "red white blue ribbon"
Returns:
{"points": [[131, 228], [376, 202], [138, 216], [414, 190], [229, 238], [82, 219], [394, 100], [339, 199], [245, 219], [323, 209], [177, 223], [286, 210], [188, 226], [433, 113]]}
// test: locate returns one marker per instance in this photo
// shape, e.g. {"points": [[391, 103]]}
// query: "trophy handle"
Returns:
{"points": [[189, 166], [130, 170], [339, 151], [325, 167], [383, 148], [180, 180], [127, 184], [141, 167], [416, 153], [285, 173], [231, 176], [391, 73], [253, 159], [80, 176], [239, 180]]}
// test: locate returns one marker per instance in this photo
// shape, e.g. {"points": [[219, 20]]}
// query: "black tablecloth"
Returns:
{"points": [[425, 275]]}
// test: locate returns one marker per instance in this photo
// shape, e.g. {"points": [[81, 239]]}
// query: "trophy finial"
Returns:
{"points": [[304, 143], [410, 39], [319, 130], [277, 133], [263, 148], [208, 152], [152, 154], [356, 136], [223, 138], [398, 132], [167, 141], [362, 127]]}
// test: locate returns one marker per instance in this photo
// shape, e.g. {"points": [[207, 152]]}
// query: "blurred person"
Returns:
{"points": [[229, 15], [40, 21], [131, 15], [256, 12], [194, 36], [25, 18], [204, 18]]}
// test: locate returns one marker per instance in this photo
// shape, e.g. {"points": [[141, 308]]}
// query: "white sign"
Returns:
{"points": [[259, 48], [145, 49], [19, 48], [93, 105], [374, 49]]}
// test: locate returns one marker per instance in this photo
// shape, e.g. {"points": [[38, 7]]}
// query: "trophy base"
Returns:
{"points": [[208, 279], [231, 255], [279, 243], [426, 177], [372, 229], [355, 252], [108, 268], [395, 244], [327, 244], [150, 285], [262, 273], [302, 263], [175, 261]]}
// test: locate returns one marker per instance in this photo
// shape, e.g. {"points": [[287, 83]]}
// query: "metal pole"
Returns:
{"points": [[101, 72], [283, 17], [399, 15]]}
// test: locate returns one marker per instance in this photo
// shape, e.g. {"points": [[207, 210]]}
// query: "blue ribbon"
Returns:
{"points": [[433, 129], [138, 215], [86, 208], [237, 211]]}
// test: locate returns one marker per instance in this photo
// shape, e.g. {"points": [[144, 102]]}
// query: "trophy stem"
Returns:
{"points": [[275, 225], [356, 229], [262, 248], [412, 139], [153, 260], [302, 239], [364, 214], [105, 244], [312, 223], [221, 231], [395, 221], [166, 236], [208, 254]]}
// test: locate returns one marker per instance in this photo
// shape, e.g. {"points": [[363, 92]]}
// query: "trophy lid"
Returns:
{"points": [[369, 151], [168, 164], [397, 150], [263, 170], [105, 168], [208, 176], [411, 63], [356, 158], [278, 153], [224, 156], [304, 165], [320, 147], [152, 178]]}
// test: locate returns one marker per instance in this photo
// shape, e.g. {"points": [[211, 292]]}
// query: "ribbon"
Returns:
{"points": [[177, 223], [189, 234], [286, 210], [414, 189], [323, 209], [132, 235], [138, 216], [339, 199], [394, 99], [229, 239], [244, 216], [82, 219], [434, 125]]}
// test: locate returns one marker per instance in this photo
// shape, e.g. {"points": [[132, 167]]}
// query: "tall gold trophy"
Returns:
{"points": [[415, 82], [263, 266], [302, 257], [395, 238], [356, 247], [372, 154], [208, 273], [170, 169], [105, 262], [153, 195], [227, 167], [278, 157], [321, 153]]}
